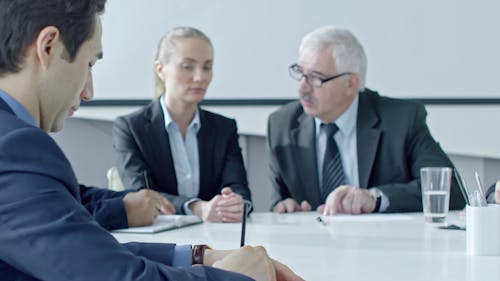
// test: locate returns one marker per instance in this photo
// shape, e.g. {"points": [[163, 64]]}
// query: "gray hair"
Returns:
{"points": [[166, 48], [347, 52]]}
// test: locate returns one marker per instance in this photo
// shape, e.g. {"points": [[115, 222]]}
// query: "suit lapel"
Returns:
{"points": [[158, 140], [303, 140], [206, 145], [368, 136]]}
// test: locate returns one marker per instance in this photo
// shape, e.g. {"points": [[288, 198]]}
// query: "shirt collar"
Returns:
{"points": [[195, 123], [19, 110], [346, 121]]}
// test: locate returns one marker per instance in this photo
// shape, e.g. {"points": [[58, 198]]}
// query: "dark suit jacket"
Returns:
{"points": [[106, 207], [393, 143], [141, 143], [47, 234]]}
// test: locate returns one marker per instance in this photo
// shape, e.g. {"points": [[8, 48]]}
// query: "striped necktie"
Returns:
{"points": [[333, 173]]}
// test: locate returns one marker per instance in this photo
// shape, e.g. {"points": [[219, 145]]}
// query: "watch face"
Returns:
{"points": [[197, 253]]}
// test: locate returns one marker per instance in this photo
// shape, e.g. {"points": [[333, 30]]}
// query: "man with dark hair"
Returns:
{"points": [[19, 33], [111, 210], [47, 50]]}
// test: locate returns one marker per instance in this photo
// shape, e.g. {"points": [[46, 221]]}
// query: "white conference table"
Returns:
{"points": [[368, 247]]}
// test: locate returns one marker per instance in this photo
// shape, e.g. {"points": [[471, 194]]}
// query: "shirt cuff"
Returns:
{"points": [[185, 207], [384, 202], [182, 256]]}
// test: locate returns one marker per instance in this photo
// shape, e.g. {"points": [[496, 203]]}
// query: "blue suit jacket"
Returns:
{"points": [[141, 143], [106, 207], [47, 234]]}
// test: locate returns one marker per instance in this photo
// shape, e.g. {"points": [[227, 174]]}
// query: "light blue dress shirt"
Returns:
{"points": [[185, 155], [19, 110], [346, 140]]}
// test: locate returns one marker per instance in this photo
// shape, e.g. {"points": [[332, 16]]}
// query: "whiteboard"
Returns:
{"points": [[415, 49]]}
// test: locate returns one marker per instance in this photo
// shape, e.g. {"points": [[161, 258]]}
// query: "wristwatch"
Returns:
{"points": [[377, 195], [197, 253]]}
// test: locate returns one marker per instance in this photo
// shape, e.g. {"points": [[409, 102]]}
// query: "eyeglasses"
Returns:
{"points": [[296, 73]]}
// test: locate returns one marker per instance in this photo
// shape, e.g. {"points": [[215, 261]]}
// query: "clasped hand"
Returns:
{"points": [[224, 207]]}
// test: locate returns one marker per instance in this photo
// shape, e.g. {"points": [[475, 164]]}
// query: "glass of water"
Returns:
{"points": [[435, 182]]}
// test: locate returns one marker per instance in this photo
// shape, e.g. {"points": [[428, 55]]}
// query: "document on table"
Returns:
{"points": [[162, 223], [366, 218]]}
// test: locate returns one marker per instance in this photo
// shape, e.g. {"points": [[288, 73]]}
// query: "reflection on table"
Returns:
{"points": [[367, 247]]}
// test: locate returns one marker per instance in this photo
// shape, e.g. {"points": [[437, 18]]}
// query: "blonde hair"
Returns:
{"points": [[166, 48]]}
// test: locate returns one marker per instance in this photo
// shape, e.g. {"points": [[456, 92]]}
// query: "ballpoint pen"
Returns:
{"points": [[243, 225]]}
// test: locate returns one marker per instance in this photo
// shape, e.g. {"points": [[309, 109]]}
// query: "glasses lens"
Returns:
{"points": [[314, 81], [295, 72]]}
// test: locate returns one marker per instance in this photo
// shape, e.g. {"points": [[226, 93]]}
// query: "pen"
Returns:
{"points": [[452, 227], [243, 224], [146, 179], [320, 220], [481, 199], [461, 185]]}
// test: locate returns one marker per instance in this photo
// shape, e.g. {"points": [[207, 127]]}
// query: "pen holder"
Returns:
{"points": [[483, 230]]}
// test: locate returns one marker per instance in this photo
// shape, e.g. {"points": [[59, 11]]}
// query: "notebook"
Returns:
{"points": [[162, 223]]}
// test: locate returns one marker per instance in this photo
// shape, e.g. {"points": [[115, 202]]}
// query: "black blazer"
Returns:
{"points": [[141, 143], [393, 143]]}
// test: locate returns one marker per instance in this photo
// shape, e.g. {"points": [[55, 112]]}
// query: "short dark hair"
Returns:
{"points": [[22, 20]]}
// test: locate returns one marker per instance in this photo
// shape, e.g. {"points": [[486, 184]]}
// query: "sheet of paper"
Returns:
{"points": [[162, 223]]}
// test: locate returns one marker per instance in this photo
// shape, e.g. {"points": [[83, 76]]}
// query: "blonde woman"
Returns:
{"points": [[173, 146]]}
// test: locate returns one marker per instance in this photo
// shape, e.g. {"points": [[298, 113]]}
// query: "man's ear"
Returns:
{"points": [[45, 42], [353, 83]]}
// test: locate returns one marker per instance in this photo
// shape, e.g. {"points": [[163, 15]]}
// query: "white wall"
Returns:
{"points": [[425, 48]]}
